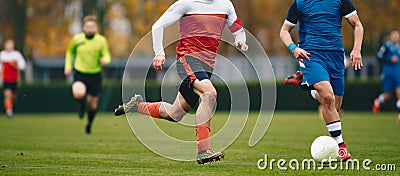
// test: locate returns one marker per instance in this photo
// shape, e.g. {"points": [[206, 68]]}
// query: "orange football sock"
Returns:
{"points": [[203, 138], [8, 104], [150, 109]]}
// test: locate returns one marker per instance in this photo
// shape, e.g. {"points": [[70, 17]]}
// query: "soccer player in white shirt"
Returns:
{"points": [[201, 26], [12, 62]]}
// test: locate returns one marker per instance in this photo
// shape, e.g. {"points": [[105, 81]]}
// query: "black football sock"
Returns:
{"points": [[81, 107], [91, 115]]}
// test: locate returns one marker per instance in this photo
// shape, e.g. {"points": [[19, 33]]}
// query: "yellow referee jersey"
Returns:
{"points": [[87, 53]]}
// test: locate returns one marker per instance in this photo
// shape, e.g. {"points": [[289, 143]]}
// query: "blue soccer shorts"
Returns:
{"points": [[324, 66], [390, 80]]}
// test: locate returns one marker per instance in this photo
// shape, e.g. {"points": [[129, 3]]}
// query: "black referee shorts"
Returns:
{"points": [[10, 85], [189, 69], [91, 81]]}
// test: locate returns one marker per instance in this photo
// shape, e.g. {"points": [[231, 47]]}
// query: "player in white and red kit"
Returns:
{"points": [[12, 62], [201, 26]]}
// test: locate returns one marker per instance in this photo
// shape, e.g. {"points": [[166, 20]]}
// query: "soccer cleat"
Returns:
{"points": [[376, 107], [207, 156], [344, 155], [129, 107], [294, 79]]}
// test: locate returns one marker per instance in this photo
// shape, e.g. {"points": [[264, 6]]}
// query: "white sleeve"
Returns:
{"points": [[240, 36], [20, 61], [235, 25], [173, 14]]}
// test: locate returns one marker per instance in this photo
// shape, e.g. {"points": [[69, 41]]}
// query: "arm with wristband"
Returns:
{"points": [[297, 52], [292, 47]]}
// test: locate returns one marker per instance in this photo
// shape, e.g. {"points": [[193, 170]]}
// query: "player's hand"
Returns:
{"points": [[103, 63], [158, 62], [394, 59], [356, 59], [243, 46], [301, 54], [67, 73]]}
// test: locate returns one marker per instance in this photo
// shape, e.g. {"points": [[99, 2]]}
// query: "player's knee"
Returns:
{"points": [[210, 96], [78, 90], [8, 94], [328, 98]]}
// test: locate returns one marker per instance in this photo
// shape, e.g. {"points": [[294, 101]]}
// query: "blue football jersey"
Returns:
{"points": [[320, 22], [385, 54]]}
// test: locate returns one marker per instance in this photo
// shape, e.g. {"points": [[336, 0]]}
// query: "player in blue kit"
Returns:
{"points": [[321, 54], [389, 55]]}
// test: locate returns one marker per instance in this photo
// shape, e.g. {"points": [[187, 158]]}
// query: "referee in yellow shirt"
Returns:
{"points": [[87, 54]]}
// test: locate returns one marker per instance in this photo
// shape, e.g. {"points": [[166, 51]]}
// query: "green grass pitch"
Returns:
{"points": [[55, 144]]}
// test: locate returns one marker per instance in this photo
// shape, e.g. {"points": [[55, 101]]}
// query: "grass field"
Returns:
{"points": [[49, 144]]}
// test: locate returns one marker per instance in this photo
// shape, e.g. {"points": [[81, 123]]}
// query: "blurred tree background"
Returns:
{"points": [[43, 28]]}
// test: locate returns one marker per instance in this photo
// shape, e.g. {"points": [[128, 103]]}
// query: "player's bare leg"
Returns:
{"points": [[331, 116], [327, 100], [92, 102], [174, 112], [208, 97], [162, 110], [79, 93], [8, 102], [338, 103]]}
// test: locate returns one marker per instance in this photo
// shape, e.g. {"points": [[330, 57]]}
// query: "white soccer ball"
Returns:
{"points": [[324, 148]]}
